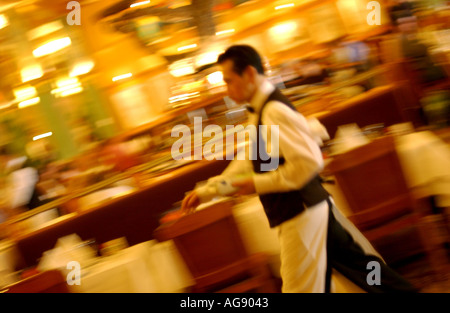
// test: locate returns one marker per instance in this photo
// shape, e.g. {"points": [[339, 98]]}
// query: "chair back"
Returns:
{"points": [[208, 240]]}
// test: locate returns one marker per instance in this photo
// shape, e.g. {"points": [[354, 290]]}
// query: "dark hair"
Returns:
{"points": [[242, 56]]}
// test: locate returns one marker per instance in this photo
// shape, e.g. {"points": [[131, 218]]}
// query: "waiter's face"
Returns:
{"points": [[240, 87]]}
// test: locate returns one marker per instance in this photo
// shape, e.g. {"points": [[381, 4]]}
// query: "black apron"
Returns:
{"points": [[343, 253]]}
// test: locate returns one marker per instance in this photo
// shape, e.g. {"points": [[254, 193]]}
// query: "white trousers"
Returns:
{"points": [[303, 243]]}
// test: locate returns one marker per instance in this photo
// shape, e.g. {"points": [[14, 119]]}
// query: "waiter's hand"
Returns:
{"points": [[190, 203], [246, 186]]}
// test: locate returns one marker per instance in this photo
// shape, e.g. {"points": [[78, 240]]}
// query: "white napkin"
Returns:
{"points": [[348, 137], [67, 249]]}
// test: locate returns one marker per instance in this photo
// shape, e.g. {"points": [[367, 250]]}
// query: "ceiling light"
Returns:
{"points": [[215, 78], [283, 29], [182, 68], [187, 47], [71, 91], [182, 71], [122, 77], [52, 47], [67, 86], [207, 58], [3, 21], [284, 6], [223, 32], [29, 102], [31, 72], [24, 93], [67, 82], [81, 68], [139, 3], [42, 136]]}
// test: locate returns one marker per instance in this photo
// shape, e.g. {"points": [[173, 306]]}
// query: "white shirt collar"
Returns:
{"points": [[262, 93]]}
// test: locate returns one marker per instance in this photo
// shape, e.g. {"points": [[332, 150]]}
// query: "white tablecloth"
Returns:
{"points": [[256, 232], [148, 267], [158, 267], [425, 159]]}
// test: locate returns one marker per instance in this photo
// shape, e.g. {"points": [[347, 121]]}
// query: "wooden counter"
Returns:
{"points": [[389, 105], [134, 216]]}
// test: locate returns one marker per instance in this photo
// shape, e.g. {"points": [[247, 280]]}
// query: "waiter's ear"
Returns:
{"points": [[251, 72]]}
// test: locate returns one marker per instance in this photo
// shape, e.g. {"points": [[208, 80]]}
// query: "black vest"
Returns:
{"points": [[280, 207]]}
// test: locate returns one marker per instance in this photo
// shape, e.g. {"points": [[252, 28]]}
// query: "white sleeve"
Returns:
{"points": [[208, 190], [302, 155]]}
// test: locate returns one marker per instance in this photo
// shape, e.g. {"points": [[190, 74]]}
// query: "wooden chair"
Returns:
{"points": [[372, 181], [52, 281], [211, 246]]}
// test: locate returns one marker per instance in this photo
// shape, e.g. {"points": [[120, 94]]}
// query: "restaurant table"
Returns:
{"points": [[8, 259], [154, 267], [148, 267], [425, 159]]}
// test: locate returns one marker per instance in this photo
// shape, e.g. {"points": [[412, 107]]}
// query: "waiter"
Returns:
{"points": [[315, 239]]}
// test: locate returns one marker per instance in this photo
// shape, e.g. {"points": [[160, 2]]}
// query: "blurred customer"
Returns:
{"points": [[19, 184], [436, 106], [401, 9], [313, 241], [416, 52]]}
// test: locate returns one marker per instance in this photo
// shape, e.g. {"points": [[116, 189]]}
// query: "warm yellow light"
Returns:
{"points": [[81, 68], [139, 3], [29, 102], [67, 82], [42, 136], [207, 58], [6, 105], [182, 71], [215, 78], [71, 91], [187, 47], [179, 4], [283, 29], [182, 67], [128, 75], [52, 47], [31, 72], [3, 21], [184, 96], [67, 86], [45, 29], [24, 93], [224, 32], [284, 6]]}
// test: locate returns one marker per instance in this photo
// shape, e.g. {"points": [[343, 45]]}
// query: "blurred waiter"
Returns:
{"points": [[315, 238]]}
